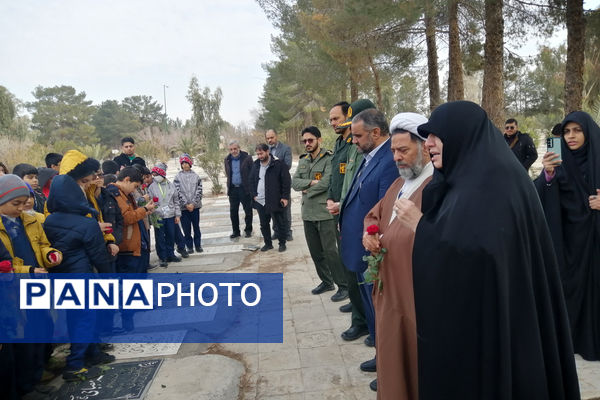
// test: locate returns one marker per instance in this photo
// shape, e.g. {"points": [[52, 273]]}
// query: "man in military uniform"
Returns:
{"points": [[312, 179], [343, 165]]}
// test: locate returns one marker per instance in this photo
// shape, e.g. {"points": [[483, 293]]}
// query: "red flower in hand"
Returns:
{"points": [[5, 266], [155, 199], [53, 256], [108, 230], [372, 229]]}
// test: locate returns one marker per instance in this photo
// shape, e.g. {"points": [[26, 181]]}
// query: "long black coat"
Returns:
{"points": [[277, 183], [491, 317], [575, 230], [245, 169]]}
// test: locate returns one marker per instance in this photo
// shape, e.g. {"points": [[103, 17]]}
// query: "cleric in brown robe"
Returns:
{"points": [[395, 319]]}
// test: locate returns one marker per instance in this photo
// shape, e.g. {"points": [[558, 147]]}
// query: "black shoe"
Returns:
{"points": [[373, 385], [369, 341], [354, 332], [199, 250], [266, 247], [248, 234], [100, 358], [151, 267], [183, 253], [163, 263], [282, 248], [322, 288], [174, 259], [346, 307], [341, 294], [82, 375], [234, 235], [106, 346], [369, 366], [190, 251]]}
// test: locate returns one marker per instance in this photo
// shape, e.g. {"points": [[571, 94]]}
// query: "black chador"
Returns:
{"points": [[491, 317]]}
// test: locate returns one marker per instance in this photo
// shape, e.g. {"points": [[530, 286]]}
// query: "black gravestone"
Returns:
{"points": [[128, 380]]}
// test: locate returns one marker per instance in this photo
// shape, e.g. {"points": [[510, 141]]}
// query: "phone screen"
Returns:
{"points": [[553, 145]]}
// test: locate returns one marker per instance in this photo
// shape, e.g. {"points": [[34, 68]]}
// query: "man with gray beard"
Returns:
{"points": [[395, 320]]}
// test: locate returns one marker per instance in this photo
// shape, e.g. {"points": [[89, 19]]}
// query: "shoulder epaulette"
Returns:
{"points": [[303, 155], [349, 140], [327, 152]]}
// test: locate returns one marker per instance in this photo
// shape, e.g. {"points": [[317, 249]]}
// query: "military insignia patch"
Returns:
{"points": [[318, 176], [342, 168]]}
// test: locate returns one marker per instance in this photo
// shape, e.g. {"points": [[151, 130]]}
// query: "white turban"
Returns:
{"points": [[408, 121]]}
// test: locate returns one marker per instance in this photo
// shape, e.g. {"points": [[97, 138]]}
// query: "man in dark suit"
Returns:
{"points": [[284, 153], [370, 133], [238, 165]]}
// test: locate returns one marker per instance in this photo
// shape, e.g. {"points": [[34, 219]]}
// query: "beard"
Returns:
{"points": [[412, 171], [369, 146]]}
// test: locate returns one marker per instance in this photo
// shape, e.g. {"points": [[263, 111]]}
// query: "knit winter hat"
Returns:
{"points": [[185, 158], [161, 169], [11, 187]]}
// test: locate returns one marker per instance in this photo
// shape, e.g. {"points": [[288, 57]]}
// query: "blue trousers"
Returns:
{"points": [[365, 294], [81, 327], [165, 238], [191, 220]]}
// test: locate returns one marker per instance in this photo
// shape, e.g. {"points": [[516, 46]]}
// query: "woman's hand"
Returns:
{"points": [[550, 161], [595, 200]]}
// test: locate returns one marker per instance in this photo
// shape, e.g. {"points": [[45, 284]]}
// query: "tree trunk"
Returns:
{"points": [[492, 96], [377, 82], [456, 89], [575, 56], [353, 88], [432, 61]]}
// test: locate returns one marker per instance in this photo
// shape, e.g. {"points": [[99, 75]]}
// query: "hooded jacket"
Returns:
{"points": [[37, 238], [189, 189], [72, 231], [168, 199]]}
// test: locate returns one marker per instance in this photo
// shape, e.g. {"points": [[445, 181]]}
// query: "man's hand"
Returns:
{"points": [[407, 213], [113, 249], [333, 207], [550, 161], [595, 200], [371, 243], [189, 207], [314, 182], [150, 207], [177, 220], [40, 271], [284, 202]]}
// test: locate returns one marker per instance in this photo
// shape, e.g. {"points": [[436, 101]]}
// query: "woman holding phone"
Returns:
{"points": [[569, 190]]}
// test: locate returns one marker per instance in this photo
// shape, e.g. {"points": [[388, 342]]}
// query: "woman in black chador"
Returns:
{"points": [[491, 317], [570, 193]]}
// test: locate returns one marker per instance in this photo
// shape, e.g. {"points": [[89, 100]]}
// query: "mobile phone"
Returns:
{"points": [[553, 145]]}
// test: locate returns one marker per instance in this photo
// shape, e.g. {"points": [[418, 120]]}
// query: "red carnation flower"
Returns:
{"points": [[155, 199], [108, 230], [372, 229], [53, 256]]}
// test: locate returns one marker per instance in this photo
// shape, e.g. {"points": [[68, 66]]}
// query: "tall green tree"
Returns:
{"points": [[575, 56], [207, 123], [492, 99], [145, 108], [60, 113], [112, 122], [8, 110]]}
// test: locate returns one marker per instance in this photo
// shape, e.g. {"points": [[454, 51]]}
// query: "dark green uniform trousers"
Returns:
{"points": [[358, 311], [322, 244]]}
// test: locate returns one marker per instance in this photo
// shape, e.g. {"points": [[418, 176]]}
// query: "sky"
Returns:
{"points": [[114, 49]]}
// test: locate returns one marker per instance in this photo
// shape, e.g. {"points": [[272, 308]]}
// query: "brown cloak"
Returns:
{"points": [[395, 320]]}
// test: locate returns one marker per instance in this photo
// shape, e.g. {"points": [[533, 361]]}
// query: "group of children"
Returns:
{"points": [[76, 216]]}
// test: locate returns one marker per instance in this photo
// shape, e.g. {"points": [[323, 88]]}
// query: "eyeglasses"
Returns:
{"points": [[307, 141], [509, 128]]}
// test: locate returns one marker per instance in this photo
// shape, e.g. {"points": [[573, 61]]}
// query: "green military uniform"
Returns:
{"points": [[338, 166], [319, 225], [354, 160]]}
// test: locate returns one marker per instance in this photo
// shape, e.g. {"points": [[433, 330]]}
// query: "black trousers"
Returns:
{"points": [[237, 195], [265, 223]]}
